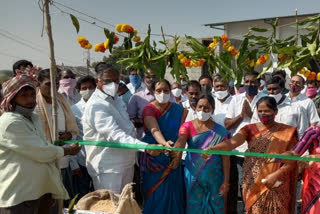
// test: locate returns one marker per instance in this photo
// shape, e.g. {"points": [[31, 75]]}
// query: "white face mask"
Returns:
{"points": [[86, 94], [221, 94], [277, 97], [162, 98], [111, 89], [203, 116], [176, 92]]}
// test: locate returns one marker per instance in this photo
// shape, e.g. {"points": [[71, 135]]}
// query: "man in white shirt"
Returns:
{"points": [[105, 119], [288, 113], [135, 84], [242, 110], [82, 181], [222, 99], [296, 85], [193, 93]]}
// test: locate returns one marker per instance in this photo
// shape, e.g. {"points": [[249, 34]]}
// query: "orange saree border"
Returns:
{"points": [[280, 142]]}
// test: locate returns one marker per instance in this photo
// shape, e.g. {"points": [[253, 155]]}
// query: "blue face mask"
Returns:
{"points": [[126, 97], [251, 90], [135, 81]]}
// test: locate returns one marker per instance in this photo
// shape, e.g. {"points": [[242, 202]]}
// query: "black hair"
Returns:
{"points": [[254, 73], [109, 69], [269, 101], [153, 86], [101, 66], [276, 80], [132, 69], [219, 78], [281, 73], [205, 76], [43, 75], [313, 82], [303, 81], [18, 64], [193, 83], [86, 79], [209, 98]]}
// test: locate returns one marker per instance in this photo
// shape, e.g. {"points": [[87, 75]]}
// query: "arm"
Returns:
{"points": [[224, 188], [313, 114], [231, 123], [152, 124], [106, 125], [176, 155], [230, 144], [22, 140]]}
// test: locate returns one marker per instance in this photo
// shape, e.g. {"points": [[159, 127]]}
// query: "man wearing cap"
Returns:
{"points": [[29, 179]]}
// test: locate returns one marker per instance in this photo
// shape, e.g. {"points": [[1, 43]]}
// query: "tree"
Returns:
{"points": [[113, 58]]}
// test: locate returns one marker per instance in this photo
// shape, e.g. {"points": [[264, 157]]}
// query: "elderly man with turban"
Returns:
{"points": [[29, 178]]}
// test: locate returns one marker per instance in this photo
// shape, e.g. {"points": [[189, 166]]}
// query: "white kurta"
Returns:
{"points": [[292, 115], [220, 110], [105, 119]]}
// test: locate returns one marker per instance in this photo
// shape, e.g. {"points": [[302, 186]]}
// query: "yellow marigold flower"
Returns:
{"points": [[135, 32], [226, 45], [267, 57], [88, 46], [302, 71], [118, 27], [180, 56], [124, 27], [212, 45], [252, 63], [237, 55], [136, 38], [106, 44], [81, 38], [258, 62], [230, 48], [96, 47], [183, 60]]}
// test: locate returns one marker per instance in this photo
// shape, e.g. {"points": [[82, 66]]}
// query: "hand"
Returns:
{"points": [[269, 181], [305, 164], [176, 158], [206, 156], [73, 149], [246, 109], [168, 144], [224, 189], [77, 172], [64, 136], [154, 152]]}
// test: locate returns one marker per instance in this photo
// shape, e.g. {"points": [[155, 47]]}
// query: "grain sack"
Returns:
{"points": [[107, 201]]}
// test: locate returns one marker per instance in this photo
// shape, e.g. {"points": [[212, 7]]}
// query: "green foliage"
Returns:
{"points": [[75, 22]]}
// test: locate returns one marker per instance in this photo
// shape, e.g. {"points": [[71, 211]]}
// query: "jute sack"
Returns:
{"points": [[107, 201]]}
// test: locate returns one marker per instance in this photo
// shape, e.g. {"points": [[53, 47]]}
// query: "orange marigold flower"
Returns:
{"points": [[234, 51], [116, 39], [262, 60], [224, 38], [129, 29]]}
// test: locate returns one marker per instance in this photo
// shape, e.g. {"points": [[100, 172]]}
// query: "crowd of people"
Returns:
{"points": [[209, 114]]}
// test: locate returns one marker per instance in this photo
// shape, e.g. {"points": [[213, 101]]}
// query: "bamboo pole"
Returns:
{"points": [[53, 74]]}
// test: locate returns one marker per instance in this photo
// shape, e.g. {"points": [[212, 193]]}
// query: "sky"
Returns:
{"points": [[21, 23]]}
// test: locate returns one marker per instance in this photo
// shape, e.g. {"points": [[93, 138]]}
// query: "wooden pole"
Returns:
{"points": [[53, 74]]}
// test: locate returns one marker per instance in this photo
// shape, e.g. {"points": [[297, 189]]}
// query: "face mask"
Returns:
{"points": [[184, 83], [221, 94], [251, 90], [111, 89], [193, 102], [277, 97], [135, 81], [25, 111], [86, 94], [162, 98], [266, 119], [294, 89], [203, 116], [206, 89], [68, 86], [126, 97], [311, 92], [176, 92]]}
